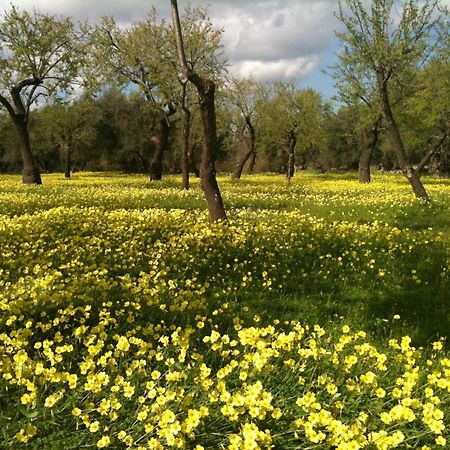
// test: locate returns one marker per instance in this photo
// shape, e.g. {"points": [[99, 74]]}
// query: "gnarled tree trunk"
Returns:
{"points": [[30, 173]]}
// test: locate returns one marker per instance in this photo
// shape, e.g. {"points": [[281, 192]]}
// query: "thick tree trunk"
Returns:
{"points": [[412, 176], [208, 179], [161, 143], [30, 172], [185, 151], [371, 134]]}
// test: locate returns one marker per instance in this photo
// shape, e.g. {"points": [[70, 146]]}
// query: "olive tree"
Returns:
{"points": [[244, 94], [206, 88], [391, 43], [135, 55], [39, 58]]}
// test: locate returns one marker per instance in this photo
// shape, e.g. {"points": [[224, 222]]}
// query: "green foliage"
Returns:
{"points": [[41, 47]]}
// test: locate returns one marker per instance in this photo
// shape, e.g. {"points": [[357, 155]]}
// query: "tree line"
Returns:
{"points": [[157, 96]]}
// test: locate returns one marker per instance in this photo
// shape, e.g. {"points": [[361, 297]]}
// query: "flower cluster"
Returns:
{"points": [[128, 326]]}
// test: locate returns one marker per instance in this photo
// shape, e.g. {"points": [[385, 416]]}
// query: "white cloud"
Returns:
{"points": [[293, 69], [282, 39]]}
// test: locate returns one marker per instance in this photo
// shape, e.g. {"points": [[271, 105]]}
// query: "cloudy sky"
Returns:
{"points": [[269, 39]]}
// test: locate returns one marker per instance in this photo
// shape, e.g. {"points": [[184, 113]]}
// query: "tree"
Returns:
{"points": [[204, 55], [137, 56], [291, 120], [39, 57], [65, 127], [355, 84], [391, 45], [206, 88], [244, 95]]}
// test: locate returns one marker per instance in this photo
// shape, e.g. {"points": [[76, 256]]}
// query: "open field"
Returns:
{"points": [[127, 320]]}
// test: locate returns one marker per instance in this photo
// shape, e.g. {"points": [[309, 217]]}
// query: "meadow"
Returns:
{"points": [[316, 317]]}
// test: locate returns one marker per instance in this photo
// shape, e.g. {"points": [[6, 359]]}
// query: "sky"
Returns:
{"points": [[290, 40]]}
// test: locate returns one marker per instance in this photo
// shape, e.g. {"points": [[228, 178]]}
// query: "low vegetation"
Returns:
{"points": [[315, 317]]}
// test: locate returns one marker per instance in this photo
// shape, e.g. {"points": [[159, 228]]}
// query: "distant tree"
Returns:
{"points": [[291, 120], [390, 43], [65, 127], [356, 87], [135, 56], [244, 95], [39, 57], [206, 89]]}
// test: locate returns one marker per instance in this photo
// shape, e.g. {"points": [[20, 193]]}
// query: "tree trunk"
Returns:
{"points": [[68, 161], [161, 143], [208, 179], [406, 168], [371, 135], [30, 172], [237, 173], [249, 143], [185, 151], [206, 94], [251, 166], [193, 162], [291, 153]]}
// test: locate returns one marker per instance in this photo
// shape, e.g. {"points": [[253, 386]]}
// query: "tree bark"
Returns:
{"points": [[251, 166], [206, 94], [30, 172], [161, 143], [206, 90], [411, 175], [249, 143], [371, 134]]}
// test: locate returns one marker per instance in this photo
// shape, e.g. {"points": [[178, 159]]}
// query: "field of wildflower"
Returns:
{"points": [[316, 317]]}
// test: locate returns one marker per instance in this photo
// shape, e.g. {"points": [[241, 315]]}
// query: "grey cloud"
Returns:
{"points": [[267, 38]]}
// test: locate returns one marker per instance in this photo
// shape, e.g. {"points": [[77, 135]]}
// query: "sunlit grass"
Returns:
{"points": [[127, 320]]}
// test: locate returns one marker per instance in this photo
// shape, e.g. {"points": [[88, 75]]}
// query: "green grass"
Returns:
{"points": [[108, 256]]}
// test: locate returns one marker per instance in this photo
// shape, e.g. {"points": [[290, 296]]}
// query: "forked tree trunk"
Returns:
{"points": [[370, 141], [237, 173], [412, 175], [185, 151], [206, 94], [249, 143], [67, 160], [30, 172]]}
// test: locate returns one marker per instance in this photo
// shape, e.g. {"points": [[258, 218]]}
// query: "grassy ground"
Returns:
{"points": [[98, 273]]}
